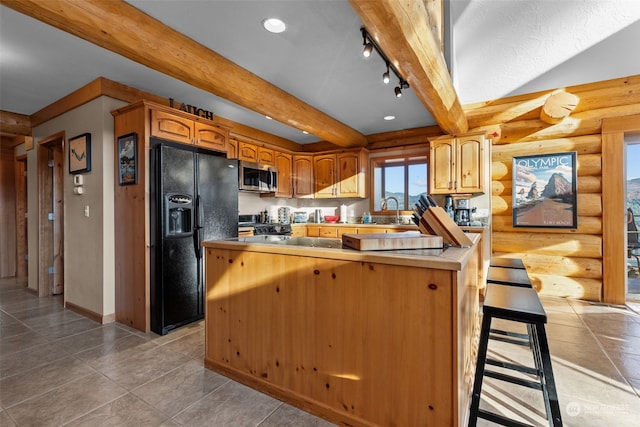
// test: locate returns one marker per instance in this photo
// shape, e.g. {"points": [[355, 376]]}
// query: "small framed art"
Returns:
{"points": [[80, 153], [127, 159]]}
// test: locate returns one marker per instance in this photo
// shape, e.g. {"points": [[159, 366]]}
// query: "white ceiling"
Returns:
{"points": [[499, 48]]}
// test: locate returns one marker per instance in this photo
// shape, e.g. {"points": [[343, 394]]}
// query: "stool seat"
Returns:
{"points": [[514, 303], [508, 276], [507, 263]]}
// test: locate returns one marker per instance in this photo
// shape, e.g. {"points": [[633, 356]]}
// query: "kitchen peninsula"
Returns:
{"points": [[357, 337]]}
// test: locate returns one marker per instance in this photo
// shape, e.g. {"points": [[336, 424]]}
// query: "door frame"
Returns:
{"points": [[614, 255], [51, 233], [21, 219]]}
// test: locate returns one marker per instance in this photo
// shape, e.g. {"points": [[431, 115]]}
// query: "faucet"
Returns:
{"points": [[385, 202]]}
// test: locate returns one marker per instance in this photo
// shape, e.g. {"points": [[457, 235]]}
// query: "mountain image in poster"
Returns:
{"points": [[558, 186]]}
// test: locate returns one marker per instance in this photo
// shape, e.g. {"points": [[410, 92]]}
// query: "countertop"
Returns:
{"points": [[450, 258]]}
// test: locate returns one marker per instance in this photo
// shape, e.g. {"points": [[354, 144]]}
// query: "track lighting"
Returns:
{"points": [[385, 76], [369, 45]]}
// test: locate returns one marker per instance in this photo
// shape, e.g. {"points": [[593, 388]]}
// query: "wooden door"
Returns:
{"points": [[210, 137], [247, 151], [441, 166], [469, 164], [266, 156], [58, 219], [284, 166], [350, 182], [303, 176], [324, 175], [172, 128], [21, 219]]}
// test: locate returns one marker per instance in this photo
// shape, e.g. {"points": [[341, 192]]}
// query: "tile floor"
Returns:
{"points": [[59, 368]]}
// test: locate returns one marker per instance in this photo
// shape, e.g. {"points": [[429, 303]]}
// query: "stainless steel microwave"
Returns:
{"points": [[256, 177]]}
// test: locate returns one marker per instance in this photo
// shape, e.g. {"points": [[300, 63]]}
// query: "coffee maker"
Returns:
{"points": [[462, 216]]}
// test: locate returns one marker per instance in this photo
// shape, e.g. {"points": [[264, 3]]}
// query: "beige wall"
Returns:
{"points": [[89, 241]]}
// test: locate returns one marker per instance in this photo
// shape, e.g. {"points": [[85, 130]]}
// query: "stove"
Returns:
{"points": [[253, 222]]}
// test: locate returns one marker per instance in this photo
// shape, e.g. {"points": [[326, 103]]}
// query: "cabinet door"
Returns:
{"points": [[328, 232], [442, 166], [298, 231], [350, 180], [232, 149], [248, 152], [346, 230], [303, 176], [211, 137], [266, 156], [324, 176], [469, 164], [285, 177], [313, 231], [172, 128]]}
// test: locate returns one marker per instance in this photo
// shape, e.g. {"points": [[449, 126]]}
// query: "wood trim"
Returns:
{"points": [[21, 220], [96, 317], [127, 31], [613, 201]]}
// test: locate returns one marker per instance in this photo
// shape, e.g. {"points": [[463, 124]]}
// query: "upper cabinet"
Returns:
{"points": [[283, 163], [302, 176], [175, 128], [247, 151], [458, 164], [340, 174]]}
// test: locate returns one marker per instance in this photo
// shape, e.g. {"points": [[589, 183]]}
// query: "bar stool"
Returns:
{"points": [[507, 263], [511, 277], [522, 305], [508, 276]]}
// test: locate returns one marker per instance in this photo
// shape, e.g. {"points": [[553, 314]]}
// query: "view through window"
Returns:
{"points": [[402, 177], [633, 220]]}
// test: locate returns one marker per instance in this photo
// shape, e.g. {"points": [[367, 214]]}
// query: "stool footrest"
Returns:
{"points": [[513, 366], [509, 333], [499, 419], [509, 340], [513, 380]]}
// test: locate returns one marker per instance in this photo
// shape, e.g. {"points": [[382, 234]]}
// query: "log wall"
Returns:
{"points": [[561, 262]]}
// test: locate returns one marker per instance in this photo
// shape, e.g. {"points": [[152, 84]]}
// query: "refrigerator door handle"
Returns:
{"points": [[198, 229]]}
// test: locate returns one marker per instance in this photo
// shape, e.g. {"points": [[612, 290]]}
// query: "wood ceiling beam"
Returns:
{"points": [[125, 30], [12, 124], [403, 31]]}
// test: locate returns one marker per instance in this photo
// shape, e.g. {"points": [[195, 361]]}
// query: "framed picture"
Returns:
{"points": [[128, 159], [544, 191], [80, 153]]}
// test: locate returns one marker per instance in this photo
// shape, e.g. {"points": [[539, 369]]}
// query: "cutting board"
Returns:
{"points": [[391, 241]]}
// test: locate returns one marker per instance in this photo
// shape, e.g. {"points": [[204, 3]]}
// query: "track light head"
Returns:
{"points": [[398, 91], [368, 47], [385, 76]]}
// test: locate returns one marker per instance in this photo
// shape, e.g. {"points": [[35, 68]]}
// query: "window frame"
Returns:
{"points": [[378, 158]]}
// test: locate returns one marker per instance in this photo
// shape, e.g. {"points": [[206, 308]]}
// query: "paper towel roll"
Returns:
{"points": [[343, 213]]}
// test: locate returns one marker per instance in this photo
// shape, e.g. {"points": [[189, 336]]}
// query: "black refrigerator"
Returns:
{"points": [[194, 197]]}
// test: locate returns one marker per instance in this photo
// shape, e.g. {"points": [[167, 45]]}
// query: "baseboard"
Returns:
{"points": [[102, 319]]}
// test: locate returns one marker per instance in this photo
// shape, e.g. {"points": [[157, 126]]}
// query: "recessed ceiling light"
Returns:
{"points": [[273, 25], [305, 132], [389, 117], [268, 118]]}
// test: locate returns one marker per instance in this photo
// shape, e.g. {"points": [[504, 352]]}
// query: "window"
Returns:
{"points": [[403, 177]]}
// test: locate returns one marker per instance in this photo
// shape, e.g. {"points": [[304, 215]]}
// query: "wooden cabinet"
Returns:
{"points": [[303, 176], [172, 127], [247, 151], [340, 174], [232, 148], [458, 164], [283, 163], [266, 156], [298, 230]]}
